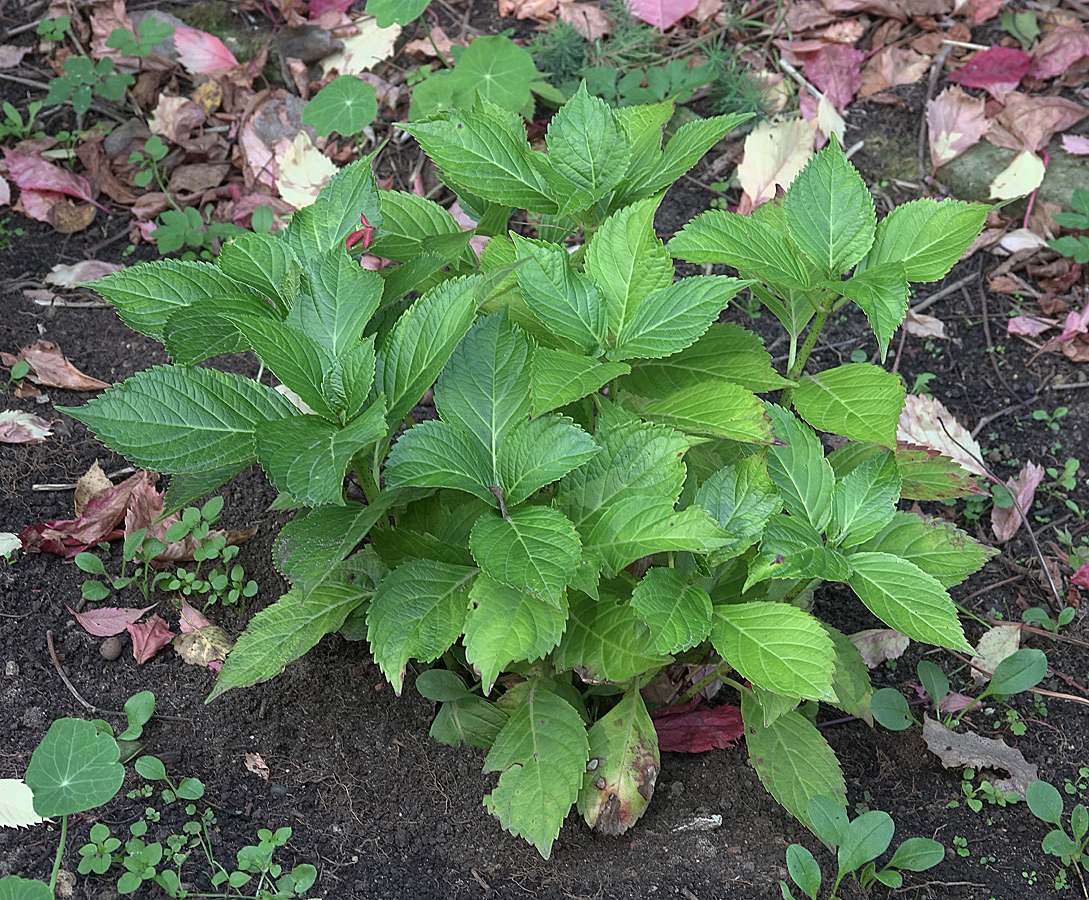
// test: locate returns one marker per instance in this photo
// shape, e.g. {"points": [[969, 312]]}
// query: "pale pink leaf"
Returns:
{"points": [[954, 703], [192, 619], [1032, 120], [923, 326], [1062, 50], [1005, 520], [109, 620], [1029, 326], [689, 729], [776, 151], [926, 422], [1076, 323], [1081, 577], [836, 70], [876, 645], [955, 121], [70, 276], [11, 55], [149, 637], [29, 172], [18, 427], [590, 21], [321, 7], [1076, 144], [256, 764], [202, 53], [662, 13], [5, 191]]}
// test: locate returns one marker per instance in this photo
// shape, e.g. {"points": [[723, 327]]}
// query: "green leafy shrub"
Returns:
{"points": [[1076, 247], [601, 491]]}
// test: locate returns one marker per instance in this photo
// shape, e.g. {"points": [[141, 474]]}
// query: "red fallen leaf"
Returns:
{"points": [[1081, 577], [836, 69], [98, 522], [318, 8], [1062, 50], [109, 620], [192, 619], [149, 637], [32, 173], [662, 13], [50, 367], [201, 53], [686, 729], [998, 69]]}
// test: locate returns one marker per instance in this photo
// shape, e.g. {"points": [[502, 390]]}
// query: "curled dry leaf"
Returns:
{"points": [[304, 169], [207, 646], [1076, 144], [191, 618], [1031, 122], [591, 22], [11, 55], [1005, 520], [91, 482], [836, 70], [364, 50], [776, 151], [689, 729], [18, 427], [48, 366], [924, 326], [32, 173], [109, 620], [957, 750], [955, 121], [875, 645], [1062, 50], [927, 423], [254, 763], [149, 637], [994, 646], [67, 217], [70, 276]]}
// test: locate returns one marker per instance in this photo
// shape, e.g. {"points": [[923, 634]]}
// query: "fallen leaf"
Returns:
{"points": [[892, 67], [91, 482], [49, 366], [955, 121], [32, 173], [1076, 144], [1021, 177], [887, 9], [1004, 520], [1081, 577], [528, 9], [1062, 50], [201, 53], [304, 169], [998, 70], [875, 645], [197, 177], [836, 70], [688, 729], [70, 276], [983, 10], [994, 646], [954, 703], [776, 150], [204, 646], [149, 637], [927, 423], [5, 191], [109, 620], [9, 543], [67, 217], [254, 763], [590, 21], [662, 13], [1031, 121], [175, 117], [1029, 326], [923, 326], [192, 619], [1076, 323], [320, 7], [957, 750], [423, 48], [17, 427], [11, 55], [364, 50], [17, 805], [1021, 239]]}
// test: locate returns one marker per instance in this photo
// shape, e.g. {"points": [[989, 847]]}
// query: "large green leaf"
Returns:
{"points": [[851, 678], [534, 549], [906, 598], [830, 211], [306, 457], [346, 105], [536, 453], [12, 887], [409, 222], [483, 151], [558, 377], [74, 769], [777, 646], [505, 624], [624, 766], [628, 262], [678, 614], [176, 419], [858, 400], [644, 125], [671, 319], [469, 720], [262, 262], [927, 475], [793, 760], [337, 299], [864, 501], [316, 540], [799, 469], [935, 545], [417, 613], [882, 293], [436, 454], [714, 408], [741, 498], [542, 752], [926, 236], [409, 360], [208, 327], [724, 353], [495, 68], [347, 383], [605, 641], [792, 548], [350, 193]]}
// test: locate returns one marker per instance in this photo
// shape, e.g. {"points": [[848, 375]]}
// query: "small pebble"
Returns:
{"points": [[11, 669], [111, 648]]}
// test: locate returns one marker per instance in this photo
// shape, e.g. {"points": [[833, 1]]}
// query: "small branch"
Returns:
{"points": [[71, 688]]}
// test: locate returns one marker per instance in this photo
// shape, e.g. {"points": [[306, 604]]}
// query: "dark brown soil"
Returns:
{"points": [[383, 811]]}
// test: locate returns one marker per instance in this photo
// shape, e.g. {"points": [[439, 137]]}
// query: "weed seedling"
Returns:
{"points": [[960, 844], [18, 372], [1052, 420], [149, 34], [1037, 615], [84, 79], [1076, 247], [53, 30], [147, 159], [1046, 803], [13, 124]]}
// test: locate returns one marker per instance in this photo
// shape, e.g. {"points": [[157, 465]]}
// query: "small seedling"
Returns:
{"points": [[1051, 419], [986, 792], [1077, 248], [1080, 785], [1046, 803], [149, 34], [13, 124], [84, 79], [138, 550], [960, 844], [1037, 615], [187, 228], [148, 159], [53, 30], [18, 372]]}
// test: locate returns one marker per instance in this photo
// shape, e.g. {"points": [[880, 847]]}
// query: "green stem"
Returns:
{"points": [[717, 675], [798, 366], [800, 588], [366, 479], [60, 854]]}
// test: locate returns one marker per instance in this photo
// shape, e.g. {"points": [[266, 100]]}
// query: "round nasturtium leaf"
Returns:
{"points": [[346, 105], [74, 769], [497, 69], [12, 887]]}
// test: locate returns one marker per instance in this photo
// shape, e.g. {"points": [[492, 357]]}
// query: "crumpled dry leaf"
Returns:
{"points": [[49, 366], [955, 121], [67, 217], [18, 427], [875, 645], [1004, 520], [175, 117], [776, 150], [1060, 51], [1021, 177], [11, 55], [422, 48], [1081, 577], [892, 67], [91, 482], [257, 765], [591, 22], [108, 620], [70, 276], [1076, 144], [924, 326], [42, 184], [689, 729], [1029, 326], [957, 750], [205, 646], [1031, 121], [528, 9], [304, 169], [994, 646], [364, 50], [149, 637], [927, 423]]}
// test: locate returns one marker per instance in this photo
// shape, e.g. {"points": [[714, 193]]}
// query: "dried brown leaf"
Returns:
{"points": [[957, 750]]}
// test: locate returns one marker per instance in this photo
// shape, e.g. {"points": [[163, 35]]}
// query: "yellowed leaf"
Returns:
{"points": [[775, 151], [304, 169], [203, 646], [1020, 178], [995, 645], [362, 51], [829, 121]]}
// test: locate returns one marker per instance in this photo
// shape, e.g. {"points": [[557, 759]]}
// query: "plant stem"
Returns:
{"points": [[60, 854], [797, 367]]}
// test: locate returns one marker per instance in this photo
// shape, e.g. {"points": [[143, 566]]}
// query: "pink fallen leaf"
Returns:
{"points": [[1030, 120], [70, 276], [202, 53], [776, 150], [321, 7], [32, 173], [689, 729], [591, 21], [1076, 323], [925, 422], [955, 121], [876, 645], [662, 13], [192, 619], [1081, 577], [50, 367], [5, 191], [1076, 144], [836, 69], [1029, 326], [149, 637], [1062, 50], [109, 620], [924, 326], [1006, 520], [11, 55], [18, 427], [954, 703], [997, 69]]}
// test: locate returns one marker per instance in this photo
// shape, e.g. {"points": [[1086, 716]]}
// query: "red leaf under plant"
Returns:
{"points": [[995, 66], [836, 69], [109, 620], [1081, 577], [663, 13], [34, 173], [201, 53], [149, 637], [688, 729], [98, 522]]}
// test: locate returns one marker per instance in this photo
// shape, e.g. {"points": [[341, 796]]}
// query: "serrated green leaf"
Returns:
{"points": [[864, 501], [644, 125], [935, 545], [558, 378], [714, 408], [741, 498], [906, 598], [347, 383], [858, 400], [336, 300], [307, 457], [678, 614], [315, 541], [261, 262], [798, 468], [792, 759], [772, 704], [484, 151], [724, 353], [17, 806], [542, 752], [74, 769], [534, 549], [417, 613], [410, 359], [830, 212], [777, 646], [623, 768], [409, 222], [926, 236], [472, 721], [327, 223], [565, 300], [436, 454], [605, 641], [505, 624], [927, 475], [284, 631], [536, 453], [670, 320], [792, 548], [345, 105], [176, 419], [206, 327], [146, 295], [628, 262], [850, 678], [881, 291]]}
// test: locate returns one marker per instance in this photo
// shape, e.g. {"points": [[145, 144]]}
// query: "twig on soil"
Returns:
{"points": [[936, 68], [1068, 387], [931, 299], [1029, 628], [986, 420], [991, 587], [128, 470]]}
